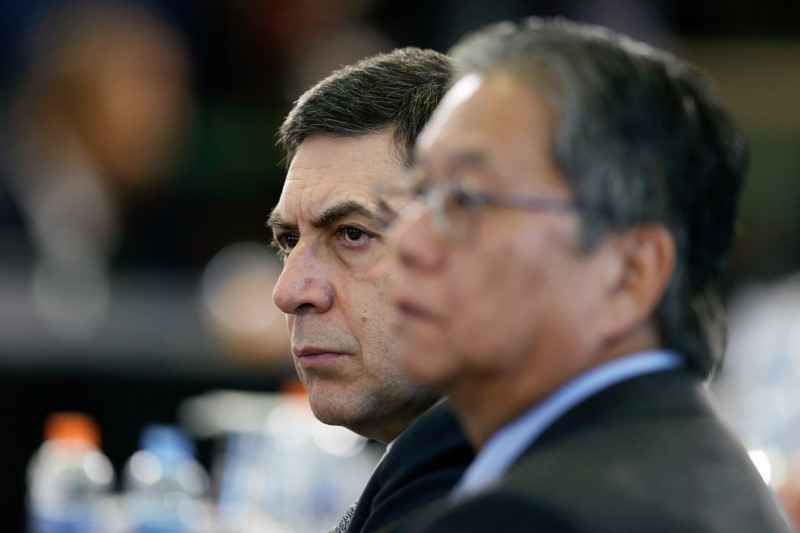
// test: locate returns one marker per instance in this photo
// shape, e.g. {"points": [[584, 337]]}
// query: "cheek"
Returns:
{"points": [[498, 303], [476, 294], [371, 316]]}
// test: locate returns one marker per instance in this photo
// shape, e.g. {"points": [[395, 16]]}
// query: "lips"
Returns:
{"points": [[312, 356], [310, 351]]}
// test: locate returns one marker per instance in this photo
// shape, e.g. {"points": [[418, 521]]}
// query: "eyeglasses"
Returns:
{"points": [[455, 206]]}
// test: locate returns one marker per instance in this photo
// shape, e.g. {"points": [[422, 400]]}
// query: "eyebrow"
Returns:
{"points": [[276, 221], [469, 158], [330, 216], [462, 158]]}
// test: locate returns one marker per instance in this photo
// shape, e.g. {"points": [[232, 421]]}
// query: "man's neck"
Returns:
{"points": [[387, 429], [486, 405]]}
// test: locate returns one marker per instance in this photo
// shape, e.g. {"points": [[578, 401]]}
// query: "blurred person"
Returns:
{"points": [[94, 125], [344, 138], [576, 198]]}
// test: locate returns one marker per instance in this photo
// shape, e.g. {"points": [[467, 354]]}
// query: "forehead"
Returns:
{"points": [[494, 119], [327, 170]]}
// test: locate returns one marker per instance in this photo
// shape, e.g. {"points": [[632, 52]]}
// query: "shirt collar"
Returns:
{"points": [[507, 444]]}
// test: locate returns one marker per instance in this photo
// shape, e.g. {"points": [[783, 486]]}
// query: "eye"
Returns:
{"points": [[465, 193], [354, 237], [285, 242], [461, 198], [354, 234]]}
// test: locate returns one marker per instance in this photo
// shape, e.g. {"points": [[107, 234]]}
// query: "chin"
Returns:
{"points": [[430, 378], [331, 413]]}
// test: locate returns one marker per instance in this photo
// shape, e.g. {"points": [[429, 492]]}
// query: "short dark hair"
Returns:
{"points": [[640, 139], [397, 90]]}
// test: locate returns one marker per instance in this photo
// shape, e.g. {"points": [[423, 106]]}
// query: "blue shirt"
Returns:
{"points": [[507, 444]]}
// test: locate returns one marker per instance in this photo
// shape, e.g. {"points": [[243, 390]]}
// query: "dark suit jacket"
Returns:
{"points": [[423, 464], [648, 454]]}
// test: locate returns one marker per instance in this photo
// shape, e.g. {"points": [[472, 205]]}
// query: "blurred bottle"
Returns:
{"points": [[69, 479], [165, 487], [295, 474]]}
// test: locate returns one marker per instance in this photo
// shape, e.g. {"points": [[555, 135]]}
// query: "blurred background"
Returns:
{"points": [[138, 165]]}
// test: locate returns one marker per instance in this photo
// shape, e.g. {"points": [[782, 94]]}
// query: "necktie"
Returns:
{"points": [[344, 523]]}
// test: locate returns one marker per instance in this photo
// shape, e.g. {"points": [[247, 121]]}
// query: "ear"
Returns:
{"points": [[644, 261]]}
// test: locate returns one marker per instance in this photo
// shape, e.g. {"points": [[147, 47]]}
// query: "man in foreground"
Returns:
{"points": [[577, 195], [346, 139]]}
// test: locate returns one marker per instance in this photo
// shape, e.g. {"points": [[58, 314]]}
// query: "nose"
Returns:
{"points": [[302, 286], [415, 242]]}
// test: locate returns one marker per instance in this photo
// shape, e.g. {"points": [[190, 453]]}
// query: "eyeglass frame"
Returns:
{"points": [[466, 193]]}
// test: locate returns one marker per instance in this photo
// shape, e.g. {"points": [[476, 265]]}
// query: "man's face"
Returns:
{"points": [[335, 284], [507, 311]]}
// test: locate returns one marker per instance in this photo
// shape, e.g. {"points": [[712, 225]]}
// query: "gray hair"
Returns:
{"points": [[640, 139]]}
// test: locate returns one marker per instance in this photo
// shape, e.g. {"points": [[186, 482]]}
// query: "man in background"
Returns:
{"points": [[95, 125], [345, 140], [577, 195]]}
